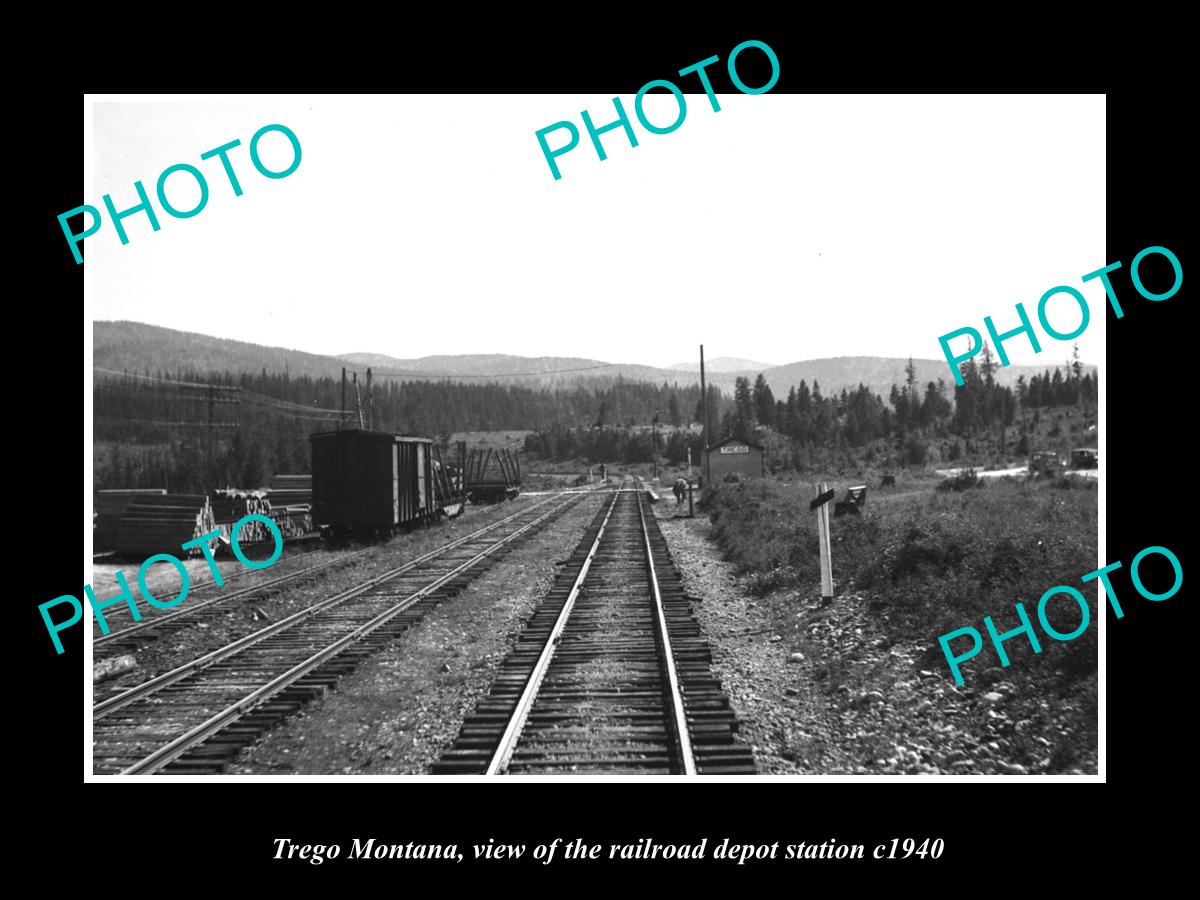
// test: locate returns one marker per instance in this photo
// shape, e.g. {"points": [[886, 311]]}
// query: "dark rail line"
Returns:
{"points": [[612, 673], [196, 718], [156, 625]]}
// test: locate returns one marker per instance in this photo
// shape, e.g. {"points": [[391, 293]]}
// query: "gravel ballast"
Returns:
{"points": [[396, 713]]}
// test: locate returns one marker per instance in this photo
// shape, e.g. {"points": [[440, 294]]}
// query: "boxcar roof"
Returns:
{"points": [[732, 440], [372, 435]]}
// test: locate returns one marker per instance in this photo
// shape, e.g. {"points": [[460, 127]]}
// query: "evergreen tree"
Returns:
{"points": [[910, 393], [764, 402], [988, 367], [742, 418]]}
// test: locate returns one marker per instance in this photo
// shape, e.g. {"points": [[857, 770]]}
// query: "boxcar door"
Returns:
{"points": [[421, 484], [395, 482]]}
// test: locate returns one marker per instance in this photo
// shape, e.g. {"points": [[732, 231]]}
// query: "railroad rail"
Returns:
{"points": [[195, 719], [612, 673], [196, 609]]}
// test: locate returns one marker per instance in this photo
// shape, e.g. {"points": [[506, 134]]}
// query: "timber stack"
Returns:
{"points": [[293, 521], [290, 490], [291, 504], [110, 506], [160, 523], [231, 504]]}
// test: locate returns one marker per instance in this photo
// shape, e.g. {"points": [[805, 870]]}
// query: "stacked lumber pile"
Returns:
{"points": [[293, 521], [110, 506], [231, 504], [290, 490], [160, 523], [291, 504]]}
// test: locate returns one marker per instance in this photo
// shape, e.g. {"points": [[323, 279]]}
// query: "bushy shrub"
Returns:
{"points": [[961, 482], [939, 560], [915, 450]]}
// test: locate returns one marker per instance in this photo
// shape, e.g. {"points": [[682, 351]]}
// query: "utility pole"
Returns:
{"points": [[212, 396], [654, 454], [342, 417], [211, 403], [358, 401], [370, 403], [704, 410]]}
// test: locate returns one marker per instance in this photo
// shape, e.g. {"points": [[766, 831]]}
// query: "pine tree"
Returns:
{"points": [[988, 366], [764, 401], [742, 421], [910, 391]]}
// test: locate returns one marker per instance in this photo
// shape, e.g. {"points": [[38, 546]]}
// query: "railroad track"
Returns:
{"points": [[199, 606], [196, 718], [611, 674]]}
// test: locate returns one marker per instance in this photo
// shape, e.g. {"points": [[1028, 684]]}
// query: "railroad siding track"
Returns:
{"points": [[195, 719], [601, 680], [205, 602], [199, 606]]}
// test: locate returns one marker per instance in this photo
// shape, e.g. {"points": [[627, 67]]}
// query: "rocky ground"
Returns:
{"points": [[403, 706], [819, 690]]}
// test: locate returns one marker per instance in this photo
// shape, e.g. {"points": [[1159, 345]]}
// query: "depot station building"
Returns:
{"points": [[742, 457]]}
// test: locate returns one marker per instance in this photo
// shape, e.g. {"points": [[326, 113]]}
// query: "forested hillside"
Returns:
{"points": [[153, 429], [979, 422], [199, 425], [119, 346]]}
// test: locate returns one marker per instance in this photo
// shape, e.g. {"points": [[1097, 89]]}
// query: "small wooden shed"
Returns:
{"points": [[732, 455]]}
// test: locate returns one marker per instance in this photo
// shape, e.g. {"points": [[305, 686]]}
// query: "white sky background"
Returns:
{"points": [[782, 228]]}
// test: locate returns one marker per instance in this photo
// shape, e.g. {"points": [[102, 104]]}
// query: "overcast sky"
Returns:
{"points": [[783, 227]]}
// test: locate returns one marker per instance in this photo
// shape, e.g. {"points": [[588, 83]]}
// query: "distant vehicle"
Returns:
{"points": [[1085, 458], [1045, 462]]}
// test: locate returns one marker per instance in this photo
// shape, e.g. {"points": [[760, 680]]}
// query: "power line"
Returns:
{"points": [[384, 373], [252, 396], [167, 422], [416, 376], [161, 380], [249, 396], [289, 408]]}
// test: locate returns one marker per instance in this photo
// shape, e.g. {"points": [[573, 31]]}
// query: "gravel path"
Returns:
{"points": [[785, 721]]}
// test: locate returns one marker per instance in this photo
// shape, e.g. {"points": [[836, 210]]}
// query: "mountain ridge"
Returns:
{"points": [[137, 346], [721, 365]]}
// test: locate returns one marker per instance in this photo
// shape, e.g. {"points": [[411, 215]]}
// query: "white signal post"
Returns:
{"points": [[821, 505]]}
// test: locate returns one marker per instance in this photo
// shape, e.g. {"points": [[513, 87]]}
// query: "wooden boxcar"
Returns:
{"points": [[369, 482]]}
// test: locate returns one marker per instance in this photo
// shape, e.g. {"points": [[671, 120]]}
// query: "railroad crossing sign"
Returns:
{"points": [[822, 499]]}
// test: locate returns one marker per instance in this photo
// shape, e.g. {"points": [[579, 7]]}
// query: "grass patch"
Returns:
{"points": [[933, 560]]}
